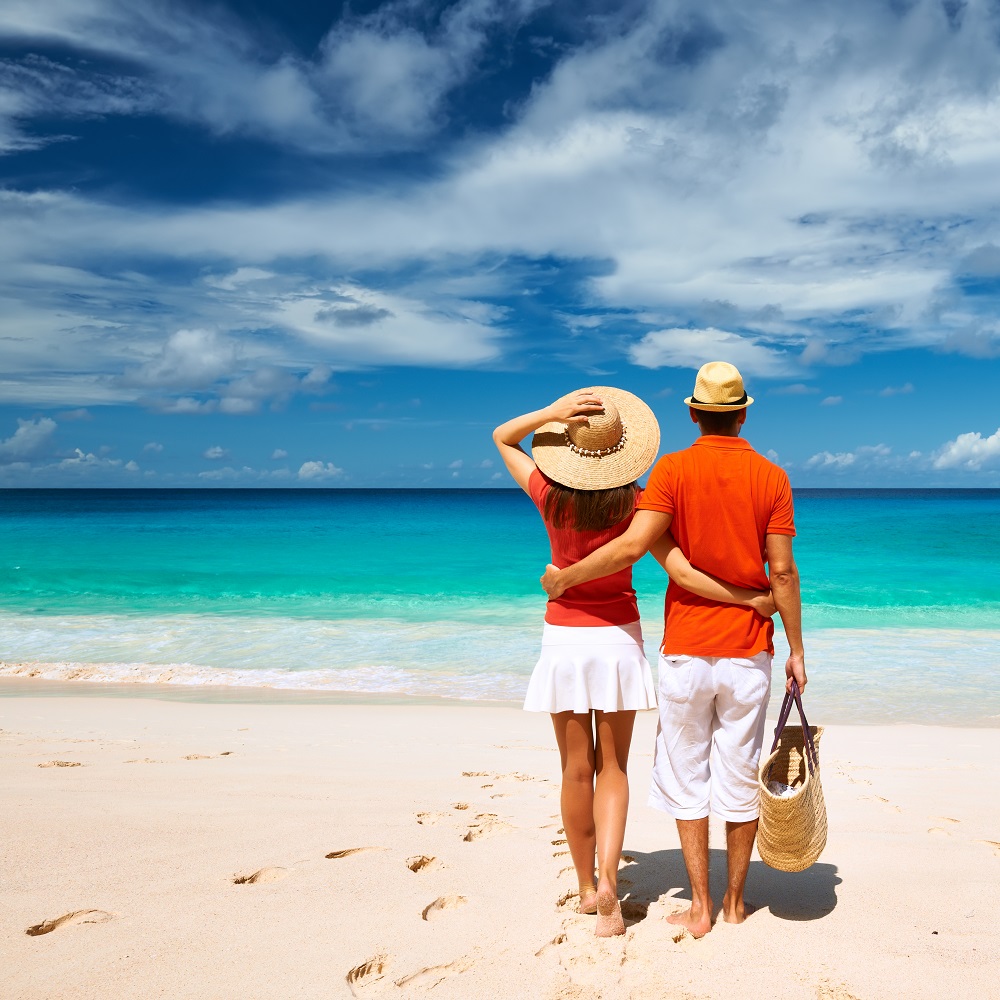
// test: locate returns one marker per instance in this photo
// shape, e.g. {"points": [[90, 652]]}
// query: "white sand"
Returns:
{"points": [[154, 827]]}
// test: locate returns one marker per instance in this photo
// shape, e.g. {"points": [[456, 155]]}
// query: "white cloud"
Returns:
{"points": [[832, 401], [189, 359], [241, 276], [486, 463], [30, 438], [351, 325], [215, 452], [315, 471], [795, 389], [969, 451], [866, 455], [132, 466], [153, 446], [82, 462], [897, 390], [457, 464], [279, 453], [799, 165], [681, 348]]}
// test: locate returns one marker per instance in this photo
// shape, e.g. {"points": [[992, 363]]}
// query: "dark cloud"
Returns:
{"points": [[353, 316]]}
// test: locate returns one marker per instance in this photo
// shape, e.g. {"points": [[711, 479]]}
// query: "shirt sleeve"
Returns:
{"points": [[782, 519], [659, 492], [538, 487]]}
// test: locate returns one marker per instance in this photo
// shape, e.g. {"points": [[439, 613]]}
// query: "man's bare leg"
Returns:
{"points": [[739, 846], [694, 843]]}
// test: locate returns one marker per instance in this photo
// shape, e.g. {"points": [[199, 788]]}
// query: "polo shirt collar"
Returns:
{"points": [[722, 441]]}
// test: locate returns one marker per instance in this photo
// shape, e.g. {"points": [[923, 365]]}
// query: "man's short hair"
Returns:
{"points": [[718, 422]]}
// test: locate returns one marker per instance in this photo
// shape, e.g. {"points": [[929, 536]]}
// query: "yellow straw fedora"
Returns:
{"points": [[719, 387]]}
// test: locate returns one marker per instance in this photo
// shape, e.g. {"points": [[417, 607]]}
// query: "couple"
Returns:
{"points": [[712, 516]]}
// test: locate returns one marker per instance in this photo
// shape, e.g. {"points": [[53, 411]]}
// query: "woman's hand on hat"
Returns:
{"points": [[575, 407]]}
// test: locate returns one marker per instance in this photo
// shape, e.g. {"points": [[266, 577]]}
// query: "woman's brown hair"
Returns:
{"points": [[589, 510]]}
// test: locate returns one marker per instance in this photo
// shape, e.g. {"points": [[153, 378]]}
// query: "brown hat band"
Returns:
{"points": [[702, 402]]}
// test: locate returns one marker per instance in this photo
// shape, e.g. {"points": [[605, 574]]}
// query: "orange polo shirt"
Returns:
{"points": [[725, 498]]}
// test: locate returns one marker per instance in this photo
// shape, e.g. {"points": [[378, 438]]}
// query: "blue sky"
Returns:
{"points": [[294, 244]]}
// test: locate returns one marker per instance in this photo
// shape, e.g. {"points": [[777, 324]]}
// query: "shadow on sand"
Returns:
{"points": [[806, 895]]}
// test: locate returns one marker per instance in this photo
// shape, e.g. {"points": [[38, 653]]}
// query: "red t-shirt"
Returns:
{"points": [[724, 498], [609, 600]]}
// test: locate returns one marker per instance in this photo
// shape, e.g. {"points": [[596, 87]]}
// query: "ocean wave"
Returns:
{"points": [[358, 680], [863, 675]]}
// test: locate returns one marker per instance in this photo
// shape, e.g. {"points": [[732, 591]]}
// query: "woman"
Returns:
{"points": [[588, 450]]}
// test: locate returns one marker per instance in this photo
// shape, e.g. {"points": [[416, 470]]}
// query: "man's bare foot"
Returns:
{"points": [[609, 913], [697, 922], [736, 914], [588, 899]]}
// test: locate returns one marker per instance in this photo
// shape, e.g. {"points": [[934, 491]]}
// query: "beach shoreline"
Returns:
{"points": [[396, 849]]}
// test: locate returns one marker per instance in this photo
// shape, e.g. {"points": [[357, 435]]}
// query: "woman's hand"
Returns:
{"points": [[763, 604], [575, 407]]}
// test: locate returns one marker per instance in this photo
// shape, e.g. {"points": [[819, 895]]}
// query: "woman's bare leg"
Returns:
{"points": [[613, 739], [575, 737]]}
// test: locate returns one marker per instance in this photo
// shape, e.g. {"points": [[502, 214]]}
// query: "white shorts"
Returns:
{"points": [[712, 717], [590, 667]]}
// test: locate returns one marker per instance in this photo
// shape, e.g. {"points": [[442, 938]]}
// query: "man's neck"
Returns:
{"points": [[720, 434]]}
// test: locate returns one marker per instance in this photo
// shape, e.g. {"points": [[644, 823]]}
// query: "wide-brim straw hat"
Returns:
{"points": [[611, 449], [719, 387]]}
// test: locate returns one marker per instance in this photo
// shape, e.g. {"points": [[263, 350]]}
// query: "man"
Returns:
{"points": [[730, 511]]}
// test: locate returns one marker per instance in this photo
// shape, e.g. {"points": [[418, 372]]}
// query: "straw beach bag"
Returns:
{"points": [[792, 831]]}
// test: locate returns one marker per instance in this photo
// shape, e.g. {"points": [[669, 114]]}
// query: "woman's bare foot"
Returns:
{"points": [[736, 914], [609, 913], [697, 921], [588, 899]]}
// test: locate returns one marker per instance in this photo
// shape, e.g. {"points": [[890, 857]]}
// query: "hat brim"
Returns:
{"points": [[717, 407], [560, 463]]}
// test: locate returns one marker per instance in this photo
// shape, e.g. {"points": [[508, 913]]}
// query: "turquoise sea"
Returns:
{"points": [[425, 592]]}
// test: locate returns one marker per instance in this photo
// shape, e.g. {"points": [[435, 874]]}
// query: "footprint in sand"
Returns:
{"points": [[436, 974], [565, 901], [442, 903], [262, 875], [76, 917], [430, 818], [634, 910], [830, 991], [366, 974], [485, 825], [475, 774], [460, 805], [208, 756], [550, 945], [144, 760], [558, 843], [347, 852], [560, 854], [61, 763], [995, 844], [420, 862]]}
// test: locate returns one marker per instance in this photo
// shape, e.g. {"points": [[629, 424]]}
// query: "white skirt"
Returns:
{"points": [[599, 667]]}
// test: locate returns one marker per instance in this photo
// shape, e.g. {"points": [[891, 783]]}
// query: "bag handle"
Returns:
{"points": [[795, 697]]}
